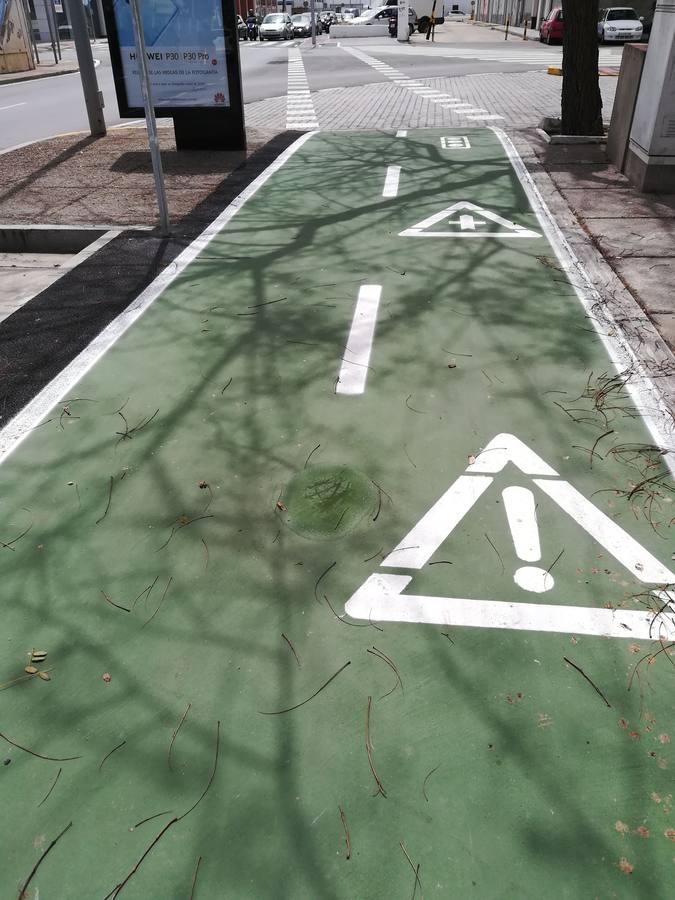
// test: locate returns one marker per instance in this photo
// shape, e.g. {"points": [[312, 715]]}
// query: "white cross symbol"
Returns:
{"points": [[467, 223]]}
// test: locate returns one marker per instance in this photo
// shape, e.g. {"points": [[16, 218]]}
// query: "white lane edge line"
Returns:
{"points": [[19, 427], [354, 371], [644, 393]]}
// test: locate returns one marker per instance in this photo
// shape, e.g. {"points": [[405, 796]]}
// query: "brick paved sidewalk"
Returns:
{"points": [[522, 98]]}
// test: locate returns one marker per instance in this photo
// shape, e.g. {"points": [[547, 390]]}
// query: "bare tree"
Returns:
{"points": [[581, 100]]}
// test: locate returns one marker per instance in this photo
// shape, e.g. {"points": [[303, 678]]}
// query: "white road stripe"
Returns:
{"points": [[402, 133], [354, 368], [11, 106], [644, 392], [300, 112], [380, 599], [421, 89], [390, 188], [422, 541]]}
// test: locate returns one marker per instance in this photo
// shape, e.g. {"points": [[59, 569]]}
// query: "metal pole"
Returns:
{"points": [[35, 57], [432, 22], [312, 13], [539, 13], [93, 98], [56, 27], [50, 25], [146, 90], [402, 32]]}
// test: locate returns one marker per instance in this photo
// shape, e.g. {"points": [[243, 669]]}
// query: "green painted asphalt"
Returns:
{"points": [[185, 464]]}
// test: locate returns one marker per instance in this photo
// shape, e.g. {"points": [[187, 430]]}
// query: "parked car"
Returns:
{"points": [[276, 26], [302, 25], [619, 23], [381, 15], [422, 14], [241, 28], [553, 27]]}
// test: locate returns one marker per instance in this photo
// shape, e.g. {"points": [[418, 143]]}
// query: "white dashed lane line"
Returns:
{"points": [[422, 89], [300, 114]]}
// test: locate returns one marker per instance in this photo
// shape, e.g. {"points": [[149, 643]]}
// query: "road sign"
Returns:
{"points": [[380, 596], [468, 220]]}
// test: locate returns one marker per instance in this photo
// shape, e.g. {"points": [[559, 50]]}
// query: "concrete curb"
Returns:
{"points": [[39, 76], [638, 330]]}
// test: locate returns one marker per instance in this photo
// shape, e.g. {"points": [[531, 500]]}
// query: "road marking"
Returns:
{"points": [[11, 106], [380, 597], [300, 112], [416, 86], [390, 188], [521, 514], [539, 57], [490, 117], [455, 142], [402, 132], [424, 539], [18, 428], [470, 223], [355, 364], [645, 395]]}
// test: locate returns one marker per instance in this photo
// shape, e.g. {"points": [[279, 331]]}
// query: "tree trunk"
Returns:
{"points": [[581, 100]]}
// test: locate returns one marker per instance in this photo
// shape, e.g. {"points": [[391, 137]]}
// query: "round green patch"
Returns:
{"points": [[325, 502]]}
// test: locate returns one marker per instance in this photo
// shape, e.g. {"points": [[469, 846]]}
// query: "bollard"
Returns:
{"points": [[524, 29], [508, 22]]}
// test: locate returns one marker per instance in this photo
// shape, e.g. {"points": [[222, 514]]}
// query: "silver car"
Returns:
{"points": [[276, 27], [619, 23]]}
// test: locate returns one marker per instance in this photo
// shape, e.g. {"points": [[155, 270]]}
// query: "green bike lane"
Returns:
{"points": [[182, 533]]}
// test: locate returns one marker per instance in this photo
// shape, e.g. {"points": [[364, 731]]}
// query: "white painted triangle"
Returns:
{"points": [[468, 220], [380, 596], [380, 599]]}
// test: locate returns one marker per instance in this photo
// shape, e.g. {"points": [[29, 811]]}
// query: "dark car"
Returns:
{"points": [[302, 25], [552, 28]]}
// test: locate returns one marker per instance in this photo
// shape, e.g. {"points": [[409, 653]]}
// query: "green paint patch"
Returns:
{"points": [[326, 502]]}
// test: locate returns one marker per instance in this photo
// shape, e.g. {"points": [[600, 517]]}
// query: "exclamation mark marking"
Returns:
{"points": [[522, 519]]}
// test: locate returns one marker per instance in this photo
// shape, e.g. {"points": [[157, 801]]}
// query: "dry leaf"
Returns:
{"points": [[472, 460], [30, 670], [106, 677], [452, 364], [39, 655], [45, 676], [281, 506]]}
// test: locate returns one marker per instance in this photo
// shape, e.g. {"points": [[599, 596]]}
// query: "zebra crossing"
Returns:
{"points": [[421, 89], [300, 114], [540, 57]]}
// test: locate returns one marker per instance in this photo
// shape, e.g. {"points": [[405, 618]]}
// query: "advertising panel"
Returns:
{"points": [[186, 53]]}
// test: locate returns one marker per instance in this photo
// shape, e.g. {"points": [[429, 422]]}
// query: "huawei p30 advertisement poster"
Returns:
{"points": [[185, 48]]}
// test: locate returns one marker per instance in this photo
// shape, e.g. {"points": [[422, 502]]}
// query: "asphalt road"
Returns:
{"points": [[39, 109]]}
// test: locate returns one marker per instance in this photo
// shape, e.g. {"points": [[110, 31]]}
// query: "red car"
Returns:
{"points": [[551, 29]]}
